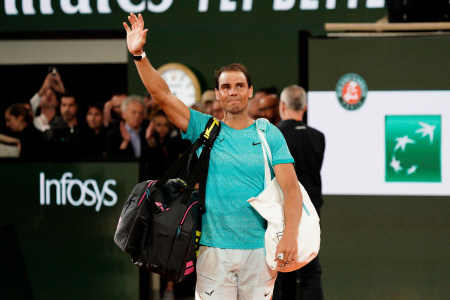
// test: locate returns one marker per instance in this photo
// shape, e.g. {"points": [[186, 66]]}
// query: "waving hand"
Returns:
{"points": [[177, 111], [137, 35]]}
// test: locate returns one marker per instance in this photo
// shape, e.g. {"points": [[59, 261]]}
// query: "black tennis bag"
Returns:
{"points": [[160, 224]]}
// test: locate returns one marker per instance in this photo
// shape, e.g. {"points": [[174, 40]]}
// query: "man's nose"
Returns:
{"points": [[233, 91]]}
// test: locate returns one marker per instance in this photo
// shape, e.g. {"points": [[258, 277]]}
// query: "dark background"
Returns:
{"points": [[89, 82]]}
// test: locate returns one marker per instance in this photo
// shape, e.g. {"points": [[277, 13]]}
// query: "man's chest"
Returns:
{"points": [[242, 151]]}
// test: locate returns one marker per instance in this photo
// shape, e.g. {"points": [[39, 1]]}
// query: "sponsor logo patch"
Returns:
{"points": [[413, 148]]}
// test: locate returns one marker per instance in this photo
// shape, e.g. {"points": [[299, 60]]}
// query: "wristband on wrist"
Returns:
{"points": [[139, 57]]}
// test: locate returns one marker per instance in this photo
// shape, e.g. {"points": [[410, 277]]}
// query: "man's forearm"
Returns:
{"points": [[293, 202], [8, 140], [153, 81]]}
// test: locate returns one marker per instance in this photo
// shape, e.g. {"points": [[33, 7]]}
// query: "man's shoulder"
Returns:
{"points": [[316, 131], [57, 122], [289, 125]]}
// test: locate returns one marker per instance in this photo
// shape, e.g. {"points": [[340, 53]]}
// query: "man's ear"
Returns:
{"points": [[305, 108], [250, 92], [282, 106], [217, 94]]}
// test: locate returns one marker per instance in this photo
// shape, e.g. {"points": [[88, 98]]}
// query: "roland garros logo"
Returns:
{"points": [[351, 90]]}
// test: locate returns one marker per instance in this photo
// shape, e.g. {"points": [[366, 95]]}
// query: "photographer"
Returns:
{"points": [[47, 100]]}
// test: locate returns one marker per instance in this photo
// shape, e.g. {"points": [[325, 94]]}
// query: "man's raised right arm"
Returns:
{"points": [[177, 111]]}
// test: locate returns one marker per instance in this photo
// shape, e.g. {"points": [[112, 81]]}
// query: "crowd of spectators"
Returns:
{"points": [[56, 125]]}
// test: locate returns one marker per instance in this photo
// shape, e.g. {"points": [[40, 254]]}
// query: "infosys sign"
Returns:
{"points": [[75, 192]]}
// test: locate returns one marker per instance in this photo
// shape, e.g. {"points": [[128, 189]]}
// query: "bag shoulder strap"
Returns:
{"points": [[261, 125], [206, 138], [261, 128]]}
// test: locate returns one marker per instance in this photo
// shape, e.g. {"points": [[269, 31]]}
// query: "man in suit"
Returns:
{"points": [[307, 146], [129, 139]]}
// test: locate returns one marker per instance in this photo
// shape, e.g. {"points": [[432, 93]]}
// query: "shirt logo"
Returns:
{"points": [[254, 144], [413, 148], [351, 91]]}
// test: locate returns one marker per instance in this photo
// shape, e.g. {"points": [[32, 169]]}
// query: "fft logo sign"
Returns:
{"points": [[351, 90], [86, 193], [413, 148]]}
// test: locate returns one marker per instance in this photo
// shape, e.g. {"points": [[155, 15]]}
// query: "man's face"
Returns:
{"points": [[134, 115], [233, 91], [68, 108], [48, 99], [117, 103], [94, 118], [268, 108], [253, 106], [13, 123], [217, 110]]}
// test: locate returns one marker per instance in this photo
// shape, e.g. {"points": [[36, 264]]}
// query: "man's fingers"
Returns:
{"points": [[134, 19], [131, 20], [288, 258], [126, 27]]}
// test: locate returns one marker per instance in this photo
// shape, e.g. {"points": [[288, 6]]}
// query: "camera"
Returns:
{"points": [[52, 69]]}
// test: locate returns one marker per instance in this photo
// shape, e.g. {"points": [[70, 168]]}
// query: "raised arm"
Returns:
{"points": [[177, 111]]}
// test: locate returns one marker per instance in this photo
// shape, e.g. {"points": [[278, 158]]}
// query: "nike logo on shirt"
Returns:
{"points": [[255, 144]]}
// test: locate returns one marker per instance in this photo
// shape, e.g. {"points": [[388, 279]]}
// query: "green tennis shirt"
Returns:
{"points": [[236, 173]]}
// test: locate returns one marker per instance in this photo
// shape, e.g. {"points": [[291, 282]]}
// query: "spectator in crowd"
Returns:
{"points": [[208, 97], [93, 136], [47, 100], [269, 108], [128, 140], [253, 106], [112, 112], [19, 121], [198, 107], [69, 110], [217, 110], [307, 146], [62, 139], [158, 139]]}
